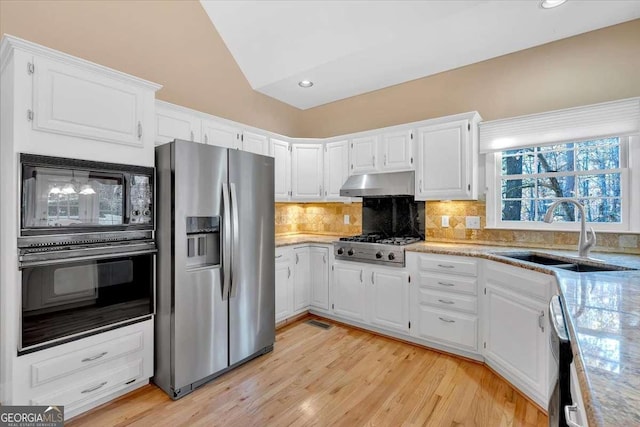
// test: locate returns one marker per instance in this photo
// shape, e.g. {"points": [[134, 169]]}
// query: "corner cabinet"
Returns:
{"points": [[284, 283], [306, 176], [319, 277], [447, 159], [516, 334]]}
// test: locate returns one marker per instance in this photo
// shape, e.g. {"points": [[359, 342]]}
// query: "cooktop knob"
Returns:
{"points": [[391, 256], [350, 252], [379, 255], [340, 251]]}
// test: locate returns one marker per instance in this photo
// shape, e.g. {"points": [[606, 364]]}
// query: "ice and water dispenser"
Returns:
{"points": [[203, 241]]}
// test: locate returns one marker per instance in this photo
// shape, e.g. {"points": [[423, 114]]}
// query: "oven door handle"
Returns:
{"points": [[40, 263]]}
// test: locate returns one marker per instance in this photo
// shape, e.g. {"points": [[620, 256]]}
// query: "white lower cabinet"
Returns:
{"points": [[88, 372], [375, 295], [349, 291], [444, 302], [388, 299], [516, 334], [319, 272], [284, 284], [301, 279]]}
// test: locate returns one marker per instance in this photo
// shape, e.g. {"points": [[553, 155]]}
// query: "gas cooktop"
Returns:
{"points": [[373, 248]]}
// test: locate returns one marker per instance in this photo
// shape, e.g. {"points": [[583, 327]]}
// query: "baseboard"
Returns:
{"points": [[291, 320]]}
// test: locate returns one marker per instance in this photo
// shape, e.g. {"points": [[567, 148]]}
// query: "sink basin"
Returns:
{"points": [[565, 264], [534, 258], [587, 268]]}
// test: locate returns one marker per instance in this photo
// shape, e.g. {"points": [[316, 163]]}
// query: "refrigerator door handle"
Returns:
{"points": [[226, 251], [236, 237]]}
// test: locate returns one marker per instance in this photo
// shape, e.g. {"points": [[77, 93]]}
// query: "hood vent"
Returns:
{"points": [[380, 184]]}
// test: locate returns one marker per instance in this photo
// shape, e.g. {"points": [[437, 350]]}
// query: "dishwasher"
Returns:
{"points": [[563, 356]]}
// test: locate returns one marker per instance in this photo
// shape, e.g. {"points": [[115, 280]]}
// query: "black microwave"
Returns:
{"points": [[67, 196]]}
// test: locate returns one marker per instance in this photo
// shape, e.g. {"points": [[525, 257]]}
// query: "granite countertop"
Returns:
{"points": [[299, 239], [603, 322]]}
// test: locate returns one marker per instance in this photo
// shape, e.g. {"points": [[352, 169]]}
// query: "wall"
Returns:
{"points": [[593, 67], [318, 218], [172, 43]]}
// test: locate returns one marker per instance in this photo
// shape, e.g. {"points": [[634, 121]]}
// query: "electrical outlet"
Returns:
{"points": [[346, 219], [472, 222], [445, 220]]}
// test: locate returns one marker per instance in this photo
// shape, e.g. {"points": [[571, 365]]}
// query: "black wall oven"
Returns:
{"points": [[86, 249]]}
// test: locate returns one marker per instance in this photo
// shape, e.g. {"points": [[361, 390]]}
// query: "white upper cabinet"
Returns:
{"points": [[255, 143], [447, 160], [306, 177], [397, 151], [220, 134], [281, 152], [173, 122], [364, 155], [75, 101], [336, 168]]}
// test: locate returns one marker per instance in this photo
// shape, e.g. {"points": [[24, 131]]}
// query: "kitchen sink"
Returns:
{"points": [[533, 258], [565, 264]]}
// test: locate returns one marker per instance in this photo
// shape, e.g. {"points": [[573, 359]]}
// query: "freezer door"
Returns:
{"points": [[199, 331], [252, 293]]}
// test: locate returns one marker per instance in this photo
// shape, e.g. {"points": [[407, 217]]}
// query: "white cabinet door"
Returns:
{"points": [[280, 150], [255, 143], [319, 260], [175, 124], [364, 154], [444, 168], [516, 338], [336, 168], [388, 299], [284, 280], [349, 292], [73, 101], [220, 134], [306, 165], [397, 151], [301, 279]]}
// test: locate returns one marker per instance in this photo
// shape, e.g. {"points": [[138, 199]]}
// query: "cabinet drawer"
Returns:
{"points": [[51, 369], [449, 283], [456, 329], [448, 301], [93, 386], [449, 264]]}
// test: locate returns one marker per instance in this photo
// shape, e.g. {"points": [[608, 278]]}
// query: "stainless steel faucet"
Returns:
{"points": [[585, 243]]}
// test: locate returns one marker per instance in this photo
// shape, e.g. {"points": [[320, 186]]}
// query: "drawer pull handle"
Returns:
{"points": [[97, 356], [446, 320], [445, 266], [445, 284], [89, 390], [444, 301]]}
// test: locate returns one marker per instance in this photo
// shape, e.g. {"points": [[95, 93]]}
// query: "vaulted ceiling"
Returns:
{"points": [[347, 48]]}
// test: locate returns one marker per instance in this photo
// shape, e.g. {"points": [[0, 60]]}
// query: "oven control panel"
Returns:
{"points": [[373, 253]]}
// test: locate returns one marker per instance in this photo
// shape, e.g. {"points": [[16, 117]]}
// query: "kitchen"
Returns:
{"points": [[577, 72]]}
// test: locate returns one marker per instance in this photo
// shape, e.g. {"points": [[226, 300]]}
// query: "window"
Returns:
{"points": [[527, 180]]}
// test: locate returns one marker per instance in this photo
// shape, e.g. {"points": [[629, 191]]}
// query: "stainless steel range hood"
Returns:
{"points": [[380, 184]]}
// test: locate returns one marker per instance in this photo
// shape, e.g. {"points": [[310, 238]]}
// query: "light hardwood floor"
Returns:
{"points": [[335, 377]]}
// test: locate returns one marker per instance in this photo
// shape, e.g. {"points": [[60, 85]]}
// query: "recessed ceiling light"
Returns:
{"points": [[549, 4], [305, 83]]}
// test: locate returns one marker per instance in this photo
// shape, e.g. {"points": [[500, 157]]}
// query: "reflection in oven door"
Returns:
{"points": [[73, 297]]}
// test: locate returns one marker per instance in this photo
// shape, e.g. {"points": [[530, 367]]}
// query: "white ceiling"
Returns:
{"points": [[351, 47]]}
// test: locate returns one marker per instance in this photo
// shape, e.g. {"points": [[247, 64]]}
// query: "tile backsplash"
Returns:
{"points": [[328, 218], [318, 218], [457, 232]]}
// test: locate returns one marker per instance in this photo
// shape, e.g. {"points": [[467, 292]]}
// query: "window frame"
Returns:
{"points": [[630, 184]]}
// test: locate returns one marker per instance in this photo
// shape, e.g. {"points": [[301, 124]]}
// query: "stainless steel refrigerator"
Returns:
{"points": [[215, 292]]}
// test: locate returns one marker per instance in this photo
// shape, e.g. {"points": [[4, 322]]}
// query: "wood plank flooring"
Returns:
{"points": [[335, 377]]}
